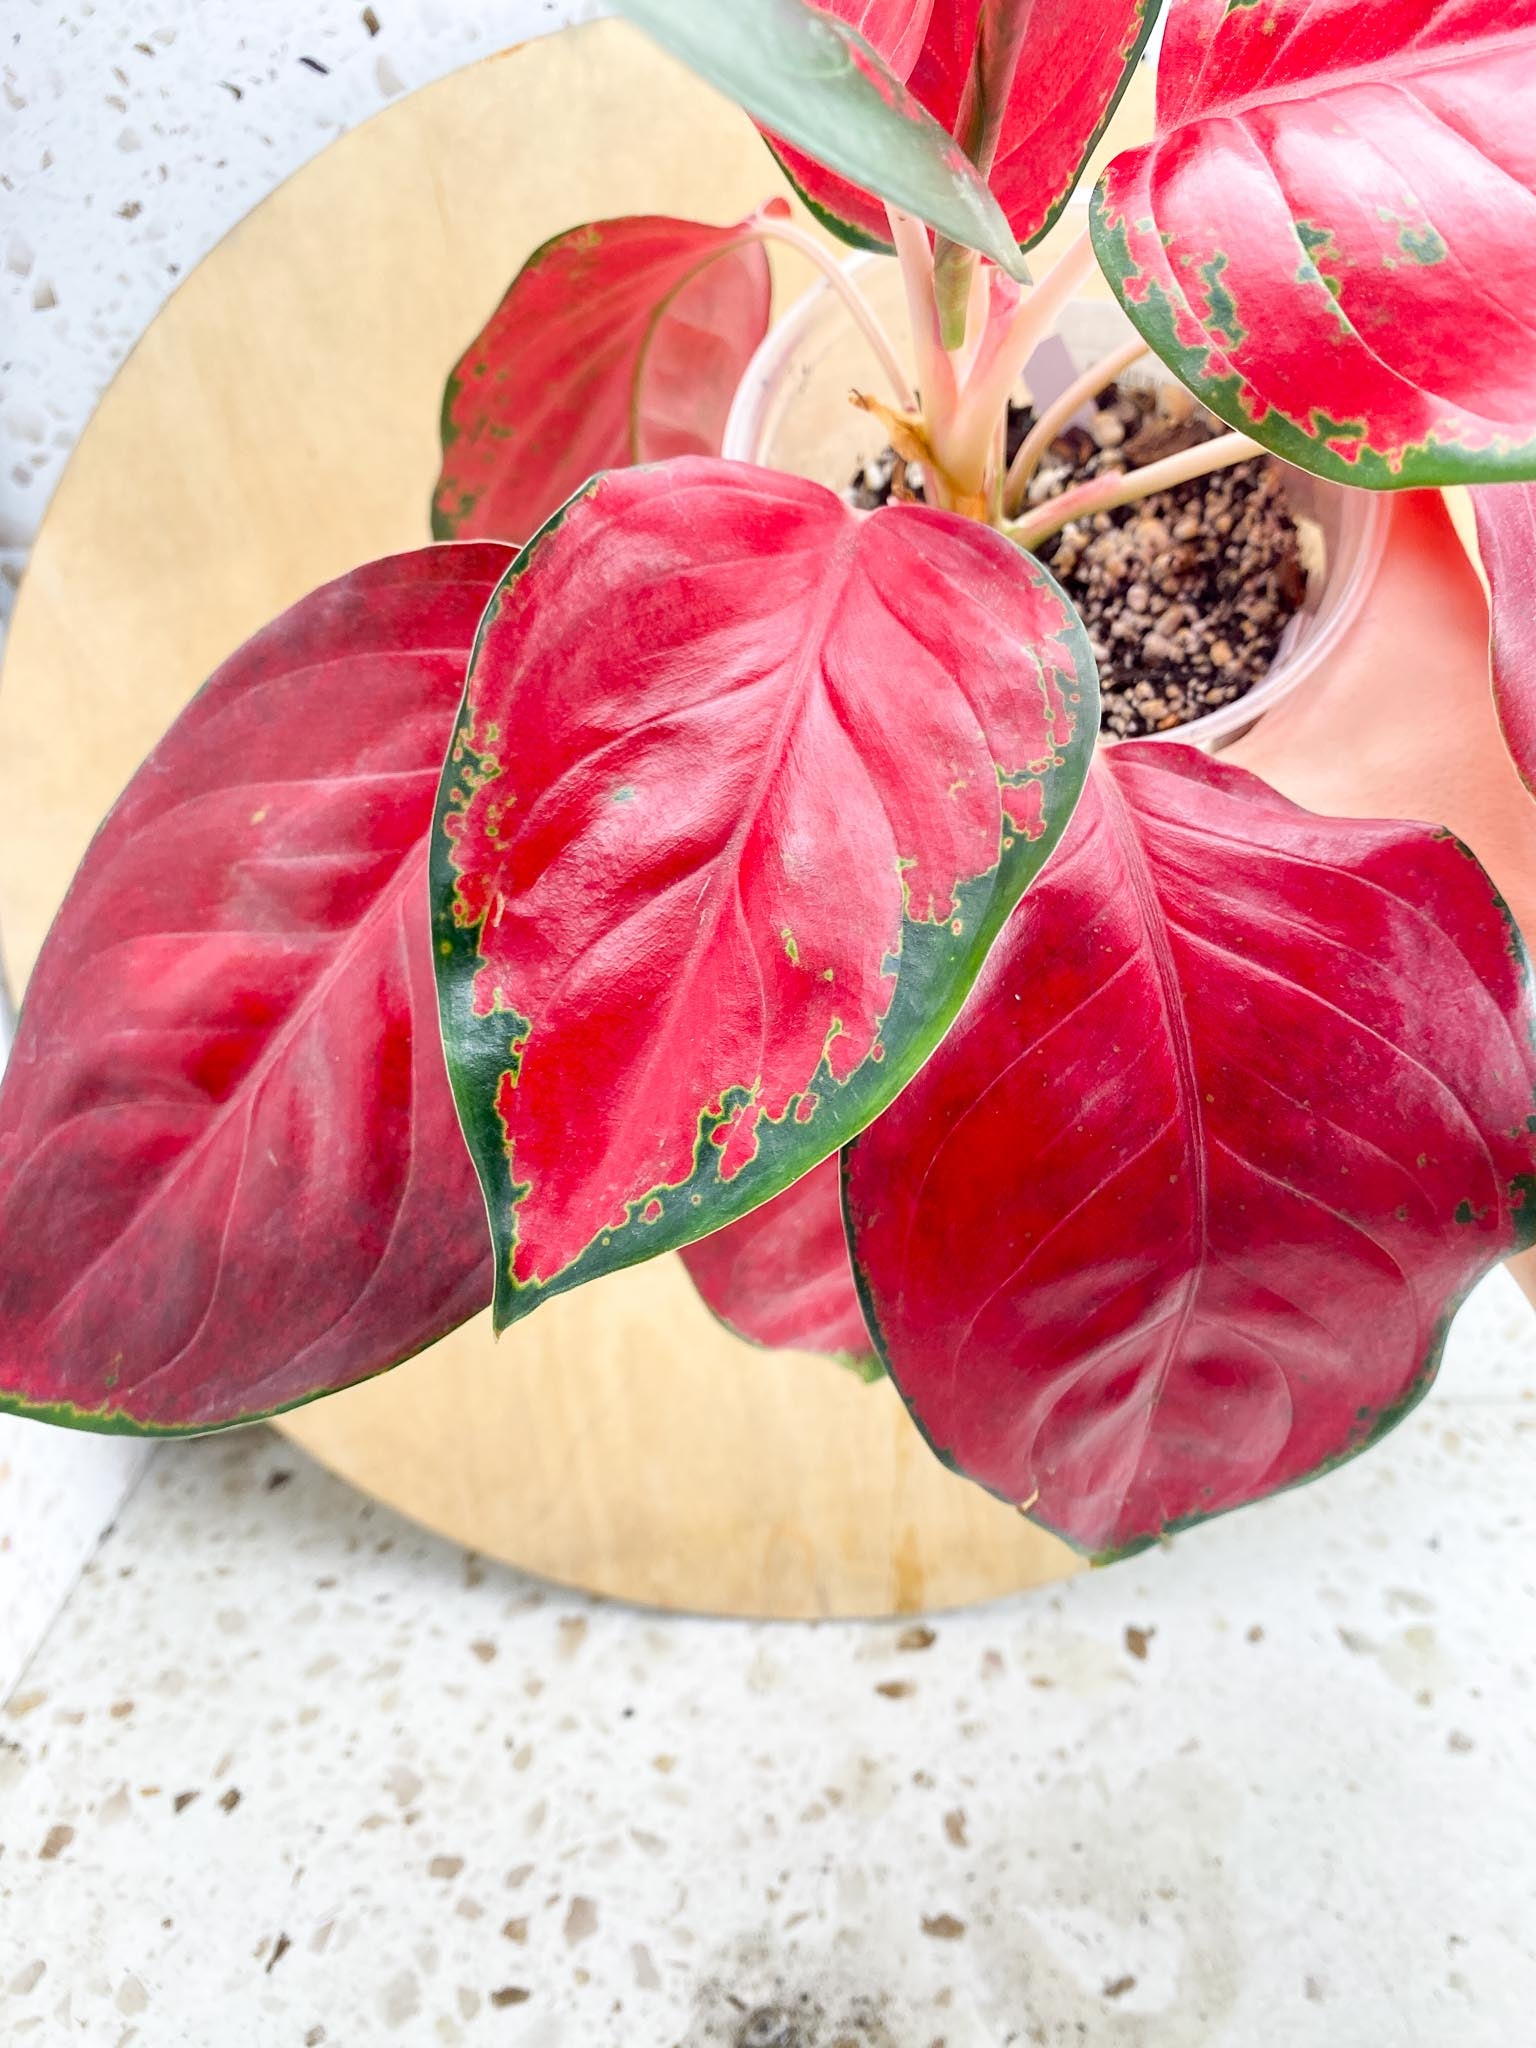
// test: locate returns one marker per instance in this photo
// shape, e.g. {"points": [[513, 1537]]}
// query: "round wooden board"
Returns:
{"points": [[274, 427]]}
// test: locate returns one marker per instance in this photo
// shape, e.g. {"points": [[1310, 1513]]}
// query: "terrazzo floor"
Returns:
{"points": [[288, 1771]]}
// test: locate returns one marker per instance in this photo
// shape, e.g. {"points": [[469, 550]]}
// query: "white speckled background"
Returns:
{"points": [[285, 1772], [132, 136]]}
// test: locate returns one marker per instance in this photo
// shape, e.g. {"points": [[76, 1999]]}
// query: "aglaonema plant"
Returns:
{"points": [[753, 856]]}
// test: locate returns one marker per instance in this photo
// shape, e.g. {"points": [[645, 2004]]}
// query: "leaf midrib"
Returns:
{"points": [[241, 1099], [1120, 819], [830, 595]]}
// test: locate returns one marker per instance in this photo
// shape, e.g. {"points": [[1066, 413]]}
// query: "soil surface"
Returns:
{"points": [[1184, 595]]}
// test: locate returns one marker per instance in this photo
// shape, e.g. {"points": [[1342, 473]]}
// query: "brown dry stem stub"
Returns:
{"points": [[910, 444], [905, 429]]}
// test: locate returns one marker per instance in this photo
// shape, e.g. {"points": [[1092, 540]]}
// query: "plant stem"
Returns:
{"points": [[995, 470], [935, 372], [1126, 486], [964, 447], [1055, 417], [954, 272], [1002, 28], [986, 283], [767, 228]]}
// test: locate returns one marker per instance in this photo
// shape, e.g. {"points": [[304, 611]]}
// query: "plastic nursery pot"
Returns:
{"points": [[792, 413]]}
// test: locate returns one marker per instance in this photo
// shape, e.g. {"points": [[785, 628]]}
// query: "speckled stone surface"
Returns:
{"points": [[57, 1491], [134, 134], [287, 1772]]}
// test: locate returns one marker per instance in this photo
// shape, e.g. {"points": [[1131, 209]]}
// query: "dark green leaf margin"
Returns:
{"points": [[934, 969], [1156, 318]]}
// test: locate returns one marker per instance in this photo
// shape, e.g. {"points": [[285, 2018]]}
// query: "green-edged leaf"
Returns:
{"points": [[621, 341], [1332, 239], [1241, 1106], [814, 81], [745, 785]]}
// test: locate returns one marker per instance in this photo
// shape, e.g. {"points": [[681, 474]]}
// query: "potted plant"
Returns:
{"points": [[750, 855]]}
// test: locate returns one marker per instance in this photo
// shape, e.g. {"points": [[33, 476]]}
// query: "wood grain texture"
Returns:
{"points": [[623, 1440], [277, 425]]}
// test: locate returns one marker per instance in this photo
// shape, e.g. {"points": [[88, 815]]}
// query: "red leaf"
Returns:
{"points": [[1333, 238], [780, 771], [807, 77], [231, 1175], [622, 341], [781, 1276], [1506, 539], [1239, 1109], [1075, 65]]}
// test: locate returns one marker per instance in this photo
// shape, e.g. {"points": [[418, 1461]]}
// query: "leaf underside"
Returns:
{"points": [[231, 1176], [744, 787], [1239, 1109], [1332, 238], [814, 82]]}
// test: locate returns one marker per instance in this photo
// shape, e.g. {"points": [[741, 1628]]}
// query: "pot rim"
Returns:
{"points": [[1365, 521]]}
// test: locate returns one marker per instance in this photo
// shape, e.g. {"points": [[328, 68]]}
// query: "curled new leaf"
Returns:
{"points": [[231, 1177], [1073, 65], [808, 77], [621, 341], [1240, 1107], [744, 787], [781, 1276], [1506, 539], [1331, 237]]}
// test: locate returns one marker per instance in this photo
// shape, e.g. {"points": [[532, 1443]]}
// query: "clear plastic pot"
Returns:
{"points": [[792, 412]]}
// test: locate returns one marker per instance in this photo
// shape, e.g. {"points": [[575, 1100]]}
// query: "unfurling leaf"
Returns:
{"points": [[1506, 539], [1239, 1108], [781, 1276], [1073, 65], [810, 79], [1331, 237], [231, 1176], [745, 785], [621, 341]]}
